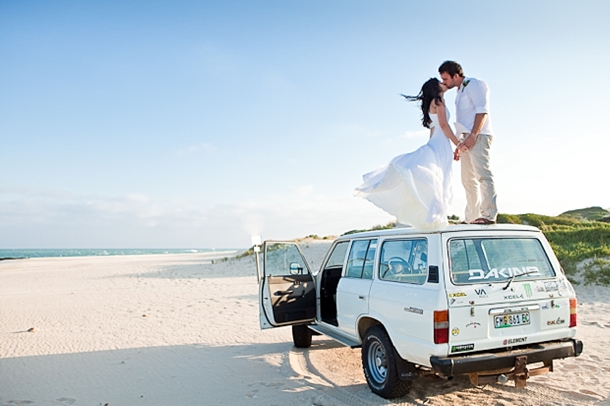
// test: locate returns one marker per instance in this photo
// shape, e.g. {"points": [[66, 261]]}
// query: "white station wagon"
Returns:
{"points": [[488, 301]]}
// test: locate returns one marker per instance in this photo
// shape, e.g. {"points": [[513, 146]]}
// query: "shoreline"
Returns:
{"points": [[105, 253]]}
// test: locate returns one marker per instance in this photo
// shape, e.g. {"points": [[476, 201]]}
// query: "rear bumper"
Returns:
{"points": [[487, 361]]}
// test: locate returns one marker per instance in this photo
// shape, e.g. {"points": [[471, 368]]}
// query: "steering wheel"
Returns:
{"points": [[407, 268]]}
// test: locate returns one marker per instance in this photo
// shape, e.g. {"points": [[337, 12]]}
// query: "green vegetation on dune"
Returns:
{"points": [[594, 213], [575, 238]]}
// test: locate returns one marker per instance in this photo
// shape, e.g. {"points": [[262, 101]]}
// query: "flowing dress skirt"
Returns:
{"points": [[414, 187]]}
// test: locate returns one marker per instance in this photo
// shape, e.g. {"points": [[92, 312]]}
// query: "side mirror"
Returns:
{"points": [[295, 269]]}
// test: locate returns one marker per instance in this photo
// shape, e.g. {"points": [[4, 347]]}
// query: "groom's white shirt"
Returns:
{"points": [[472, 98]]}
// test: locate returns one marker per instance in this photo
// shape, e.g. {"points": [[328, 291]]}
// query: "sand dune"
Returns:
{"points": [[181, 330]]}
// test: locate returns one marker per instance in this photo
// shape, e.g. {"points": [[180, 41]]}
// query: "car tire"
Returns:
{"points": [[379, 365], [301, 336]]}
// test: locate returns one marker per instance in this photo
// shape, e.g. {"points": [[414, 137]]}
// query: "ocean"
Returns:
{"points": [[7, 253]]}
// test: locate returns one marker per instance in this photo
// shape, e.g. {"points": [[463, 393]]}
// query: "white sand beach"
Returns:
{"points": [[181, 330]]}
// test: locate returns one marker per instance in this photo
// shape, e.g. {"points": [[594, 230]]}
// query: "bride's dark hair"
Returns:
{"points": [[431, 90]]}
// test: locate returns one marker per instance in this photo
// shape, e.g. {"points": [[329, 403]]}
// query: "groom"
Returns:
{"points": [[474, 124]]}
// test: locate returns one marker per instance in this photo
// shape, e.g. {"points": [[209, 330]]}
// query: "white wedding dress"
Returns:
{"points": [[415, 187]]}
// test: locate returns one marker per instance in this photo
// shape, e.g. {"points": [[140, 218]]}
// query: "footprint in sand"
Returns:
{"points": [[589, 392], [252, 394], [66, 401], [19, 402], [593, 323]]}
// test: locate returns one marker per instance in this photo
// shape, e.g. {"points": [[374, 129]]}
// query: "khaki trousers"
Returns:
{"points": [[478, 181]]}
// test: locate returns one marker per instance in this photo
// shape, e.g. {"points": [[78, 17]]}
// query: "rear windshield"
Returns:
{"points": [[489, 260]]}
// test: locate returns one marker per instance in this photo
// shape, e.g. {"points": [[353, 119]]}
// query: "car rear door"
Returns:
{"points": [[504, 291], [287, 293], [353, 288]]}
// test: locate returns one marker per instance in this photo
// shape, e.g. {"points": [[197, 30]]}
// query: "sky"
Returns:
{"points": [[196, 124]]}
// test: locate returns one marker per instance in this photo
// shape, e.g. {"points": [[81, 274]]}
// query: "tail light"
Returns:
{"points": [[441, 326], [573, 312]]}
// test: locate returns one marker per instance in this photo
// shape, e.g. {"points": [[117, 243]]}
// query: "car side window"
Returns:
{"points": [[361, 259], [404, 261], [337, 256]]}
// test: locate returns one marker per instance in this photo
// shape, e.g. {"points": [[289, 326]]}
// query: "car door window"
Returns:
{"points": [[404, 261], [361, 259], [284, 259]]}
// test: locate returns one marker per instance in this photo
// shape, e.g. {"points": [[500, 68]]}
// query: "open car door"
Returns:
{"points": [[287, 294]]}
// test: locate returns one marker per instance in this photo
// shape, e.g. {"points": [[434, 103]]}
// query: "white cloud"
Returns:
{"points": [[55, 219], [304, 191]]}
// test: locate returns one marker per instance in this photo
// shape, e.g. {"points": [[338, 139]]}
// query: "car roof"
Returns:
{"points": [[407, 230]]}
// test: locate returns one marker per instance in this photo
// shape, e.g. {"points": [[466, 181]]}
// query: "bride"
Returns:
{"points": [[416, 187]]}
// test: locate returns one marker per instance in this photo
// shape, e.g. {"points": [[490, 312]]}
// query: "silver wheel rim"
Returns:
{"points": [[378, 362]]}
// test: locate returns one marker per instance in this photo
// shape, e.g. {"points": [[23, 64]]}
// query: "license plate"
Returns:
{"points": [[511, 320]]}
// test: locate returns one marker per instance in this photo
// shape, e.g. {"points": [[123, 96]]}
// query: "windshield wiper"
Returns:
{"points": [[518, 274]]}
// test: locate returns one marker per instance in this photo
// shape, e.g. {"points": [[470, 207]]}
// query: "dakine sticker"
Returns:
{"points": [[462, 348], [503, 273]]}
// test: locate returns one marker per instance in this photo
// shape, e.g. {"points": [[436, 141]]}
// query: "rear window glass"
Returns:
{"points": [[489, 260]]}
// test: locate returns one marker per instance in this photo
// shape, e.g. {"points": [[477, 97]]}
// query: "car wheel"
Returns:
{"points": [[379, 364], [301, 336]]}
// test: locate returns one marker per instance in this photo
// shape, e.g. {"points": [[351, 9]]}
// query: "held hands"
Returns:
{"points": [[456, 154], [467, 142], [461, 147], [464, 145]]}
